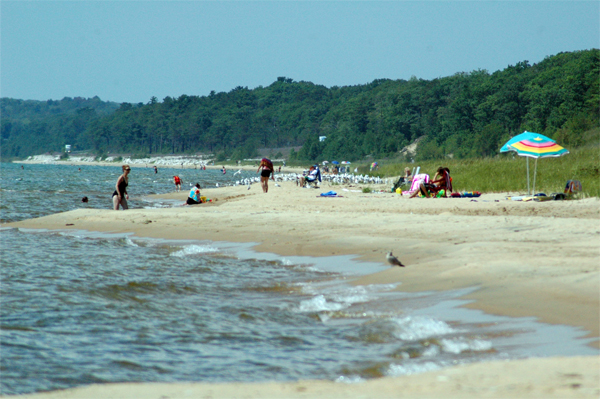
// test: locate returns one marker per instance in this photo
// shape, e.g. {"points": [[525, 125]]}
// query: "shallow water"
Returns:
{"points": [[83, 307], [39, 190]]}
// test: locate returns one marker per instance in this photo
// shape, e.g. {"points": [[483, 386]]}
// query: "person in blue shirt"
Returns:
{"points": [[194, 197]]}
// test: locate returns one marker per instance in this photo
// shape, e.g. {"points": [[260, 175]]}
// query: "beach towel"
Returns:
{"points": [[469, 194], [422, 177], [329, 194]]}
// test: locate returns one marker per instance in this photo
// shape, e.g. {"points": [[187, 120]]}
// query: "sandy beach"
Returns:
{"points": [[530, 259]]}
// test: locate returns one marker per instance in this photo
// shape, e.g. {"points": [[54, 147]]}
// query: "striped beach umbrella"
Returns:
{"points": [[538, 147], [533, 145], [523, 136]]}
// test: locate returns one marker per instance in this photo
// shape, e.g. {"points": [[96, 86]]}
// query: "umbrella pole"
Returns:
{"points": [[534, 175], [527, 175]]}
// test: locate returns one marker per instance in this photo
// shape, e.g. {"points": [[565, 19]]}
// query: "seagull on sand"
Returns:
{"points": [[392, 260]]}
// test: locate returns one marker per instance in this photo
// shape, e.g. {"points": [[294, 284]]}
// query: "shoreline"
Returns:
{"points": [[528, 259], [161, 162], [559, 377]]}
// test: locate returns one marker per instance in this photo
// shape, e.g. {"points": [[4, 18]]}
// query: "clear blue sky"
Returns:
{"points": [[129, 51]]}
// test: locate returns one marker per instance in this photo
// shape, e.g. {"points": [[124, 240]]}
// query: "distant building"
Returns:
{"points": [[67, 147], [322, 138]]}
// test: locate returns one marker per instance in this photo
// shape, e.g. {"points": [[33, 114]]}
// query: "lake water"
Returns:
{"points": [[81, 307]]}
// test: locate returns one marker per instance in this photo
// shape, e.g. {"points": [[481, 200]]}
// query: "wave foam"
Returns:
{"points": [[415, 328], [411, 368], [459, 346], [320, 304], [194, 250]]}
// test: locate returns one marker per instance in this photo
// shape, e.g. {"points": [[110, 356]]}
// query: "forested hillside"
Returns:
{"points": [[35, 127], [464, 115]]}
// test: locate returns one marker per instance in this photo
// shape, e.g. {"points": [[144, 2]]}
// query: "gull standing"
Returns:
{"points": [[392, 260]]}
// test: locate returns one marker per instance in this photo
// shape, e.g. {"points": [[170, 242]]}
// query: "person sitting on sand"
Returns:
{"points": [[194, 197], [441, 183], [425, 189], [442, 180]]}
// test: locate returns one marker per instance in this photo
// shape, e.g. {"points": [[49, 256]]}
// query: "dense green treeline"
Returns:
{"points": [[464, 115], [35, 127]]}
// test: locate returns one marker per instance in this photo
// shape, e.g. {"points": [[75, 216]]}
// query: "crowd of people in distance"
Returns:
{"points": [[439, 186]]}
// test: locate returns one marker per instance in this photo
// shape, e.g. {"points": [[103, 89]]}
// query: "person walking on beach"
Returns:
{"points": [[120, 195], [267, 170], [177, 182]]}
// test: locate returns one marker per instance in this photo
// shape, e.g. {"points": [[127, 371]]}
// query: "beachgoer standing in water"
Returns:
{"points": [[267, 170], [120, 195], [177, 181], [155, 169]]}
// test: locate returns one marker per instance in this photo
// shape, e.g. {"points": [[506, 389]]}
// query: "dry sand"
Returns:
{"points": [[528, 259]]}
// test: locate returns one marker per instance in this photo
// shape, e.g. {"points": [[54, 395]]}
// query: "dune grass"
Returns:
{"points": [[508, 172]]}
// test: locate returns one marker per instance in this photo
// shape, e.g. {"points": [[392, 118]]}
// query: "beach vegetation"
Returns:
{"points": [[508, 172]]}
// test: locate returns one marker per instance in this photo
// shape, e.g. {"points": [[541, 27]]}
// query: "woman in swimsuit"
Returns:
{"points": [[120, 195], [267, 170]]}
